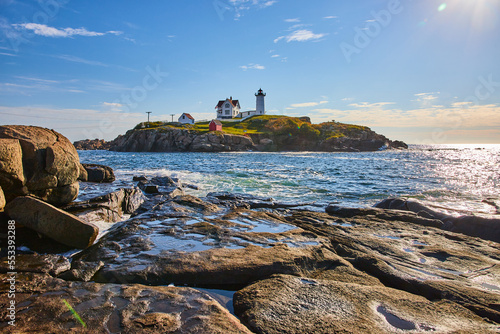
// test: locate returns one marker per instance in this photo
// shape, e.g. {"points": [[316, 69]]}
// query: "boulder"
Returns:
{"points": [[148, 187], [50, 305], [99, 173], [49, 163], [11, 169], [2, 199], [290, 304], [52, 222], [109, 208]]}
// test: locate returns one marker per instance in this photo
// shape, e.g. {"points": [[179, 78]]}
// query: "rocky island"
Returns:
{"points": [[171, 262], [259, 133]]}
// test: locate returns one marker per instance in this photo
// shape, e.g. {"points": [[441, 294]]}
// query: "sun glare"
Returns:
{"points": [[481, 14]]}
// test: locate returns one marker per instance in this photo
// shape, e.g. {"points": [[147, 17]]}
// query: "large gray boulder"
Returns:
{"points": [[39, 162], [52, 222]]}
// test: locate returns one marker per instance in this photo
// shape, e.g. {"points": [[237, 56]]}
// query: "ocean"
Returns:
{"points": [[457, 179]]}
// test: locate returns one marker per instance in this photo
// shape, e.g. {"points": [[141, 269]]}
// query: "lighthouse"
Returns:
{"points": [[260, 109]]}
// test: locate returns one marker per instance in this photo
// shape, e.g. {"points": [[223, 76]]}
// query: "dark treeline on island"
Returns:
{"points": [[266, 133]]}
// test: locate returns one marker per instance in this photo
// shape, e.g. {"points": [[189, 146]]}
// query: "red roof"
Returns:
{"points": [[188, 116], [234, 102]]}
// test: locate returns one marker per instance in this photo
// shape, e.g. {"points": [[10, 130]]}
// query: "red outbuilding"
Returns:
{"points": [[215, 125]]}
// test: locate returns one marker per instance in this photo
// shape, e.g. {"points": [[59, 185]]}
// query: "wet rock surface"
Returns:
{"points": [[50, 305], [37, 263], [482, 227], [290, 304], [109, 208], [346, 270], [185, 246], [415, 256]]}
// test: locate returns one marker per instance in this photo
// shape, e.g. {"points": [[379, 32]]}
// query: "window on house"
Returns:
{"points": [[228, 112], [227, 105]]}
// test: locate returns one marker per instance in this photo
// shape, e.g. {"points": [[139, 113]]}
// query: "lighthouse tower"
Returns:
{"points": [[260, 109]]}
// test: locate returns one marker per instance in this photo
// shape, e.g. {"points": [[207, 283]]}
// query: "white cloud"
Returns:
{"points": [[112, 106], [296, 20], [46, 31], [376, 105], [331, 17], [426, 99], [278, 39], [306, 104], [300, 36], [8, 54], [426, 96], [253, 67], [268, 3], [240, 6], [35, 79], [81, 60]]}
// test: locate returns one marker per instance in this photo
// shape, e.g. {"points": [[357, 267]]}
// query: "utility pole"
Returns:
{"points": [[172, 117], [148, 112]]}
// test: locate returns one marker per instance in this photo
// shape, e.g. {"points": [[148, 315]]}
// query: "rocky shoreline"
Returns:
{"points": [[290, 134], [169, 262], [291, 270]]}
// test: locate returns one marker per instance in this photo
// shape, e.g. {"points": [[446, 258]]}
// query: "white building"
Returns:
{"points": [[186, 119], [260, 108], [228, 108]]}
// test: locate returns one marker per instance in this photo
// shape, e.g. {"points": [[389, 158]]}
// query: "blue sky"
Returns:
{"points": [[418, 71]]}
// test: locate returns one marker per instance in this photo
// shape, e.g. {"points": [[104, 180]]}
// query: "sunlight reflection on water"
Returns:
{"points": [[459, 177]]}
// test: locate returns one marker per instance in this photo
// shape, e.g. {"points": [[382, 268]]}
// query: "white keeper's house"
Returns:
{"points": [[227, 109], [230, 109], [186, 119]]}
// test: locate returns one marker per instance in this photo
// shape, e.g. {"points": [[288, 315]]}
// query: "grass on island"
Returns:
{"points": [[270, 124]]}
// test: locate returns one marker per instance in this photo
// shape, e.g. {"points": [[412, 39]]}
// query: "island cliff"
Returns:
{"points": [[260, 133]]}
